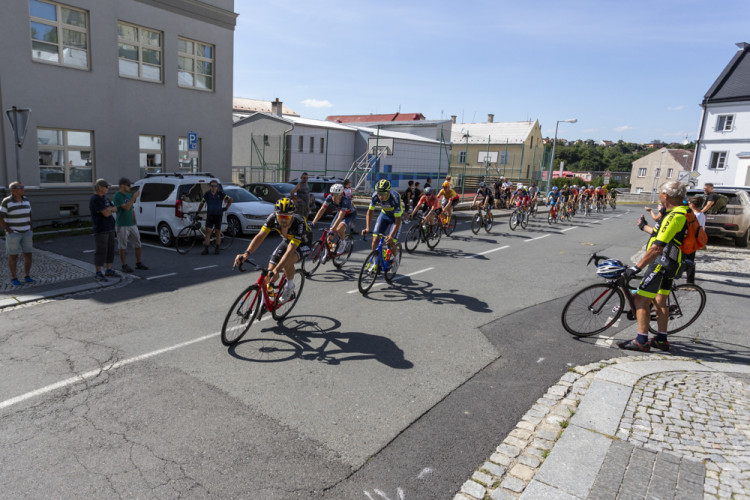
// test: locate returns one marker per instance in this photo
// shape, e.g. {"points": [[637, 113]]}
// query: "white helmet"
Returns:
{"points": [[337, 189], [610, 269]]}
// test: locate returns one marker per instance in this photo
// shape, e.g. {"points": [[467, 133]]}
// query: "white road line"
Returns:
{"points": [[204, 267], [569, 229], [537, 238], [89, 251], [606, 218], [399, 278], [160, 247], [160, 276], [104, 369], [540, 360], [486, 252]]}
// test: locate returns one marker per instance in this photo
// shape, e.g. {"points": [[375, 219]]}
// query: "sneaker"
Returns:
{"points": [[287, 293], [15, 282], [633, 345], [126, 268], [216, 251], [139, 265], [205, 250], [110, 273], [29, 279], [99, 276], [662, 345]]}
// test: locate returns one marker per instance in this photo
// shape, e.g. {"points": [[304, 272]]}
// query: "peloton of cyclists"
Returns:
{"points": [[346, 215]]}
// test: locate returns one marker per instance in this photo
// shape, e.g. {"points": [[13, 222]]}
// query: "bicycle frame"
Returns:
{"points": [[264, 272]]}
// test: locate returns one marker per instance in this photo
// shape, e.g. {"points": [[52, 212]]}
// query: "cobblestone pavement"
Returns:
{"points": [[46, 269]]}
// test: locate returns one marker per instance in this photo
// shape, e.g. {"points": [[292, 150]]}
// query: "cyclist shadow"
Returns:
{"points": [[477, 238], [448, 252], [409, 289], [317, 338], [348, 272]]}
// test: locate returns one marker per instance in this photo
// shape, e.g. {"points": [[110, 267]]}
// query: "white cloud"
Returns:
{"points": [[623, 128], [316, 103], [676, 108]]}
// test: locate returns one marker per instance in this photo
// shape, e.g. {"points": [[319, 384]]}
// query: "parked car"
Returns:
{"points": [[320, 188], [735, 222], [166, 199], [247, 213], [269, 191]]}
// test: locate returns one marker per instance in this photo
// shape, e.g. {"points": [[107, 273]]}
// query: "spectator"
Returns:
{"points": [[15, 217], [301, 196], [214, 199], [408, 195], [664, 259], [102, 214], [348, 188], [125, 225], [696, 204], [711, 197], [428, 183]]}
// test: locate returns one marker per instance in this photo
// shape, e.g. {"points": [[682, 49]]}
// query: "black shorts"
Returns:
{"points": [[213, 221], [655, 281], [302, 251]]}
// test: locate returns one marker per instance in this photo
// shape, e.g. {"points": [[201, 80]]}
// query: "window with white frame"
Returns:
{"points": [[190, 162], [151, 154], [59, 34], [139, 52], [718, 160], [670, 173], [642, 172], [462, 157], [638, 190], [724, 123], [195, 64], [65, 156]]}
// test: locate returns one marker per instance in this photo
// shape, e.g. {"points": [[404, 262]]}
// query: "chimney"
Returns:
{"points": [[490, 118], [453, 118], [276, 107]]}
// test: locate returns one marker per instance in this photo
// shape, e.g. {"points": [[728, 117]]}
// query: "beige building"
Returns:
{"points": [[514, 150], [663, 165]]}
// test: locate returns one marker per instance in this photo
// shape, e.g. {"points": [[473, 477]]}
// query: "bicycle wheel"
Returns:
{"points": [[311, 263], [340, 258], [392, 269], [476, 223], [524, 219], [282, 306], [369, 272], [685, 303], [488, 221], [185, 240], [413, 237], [433, 236], [513, 221], [550, 217], [226, 240], [593, 310], [450, 226], [241, 315]]}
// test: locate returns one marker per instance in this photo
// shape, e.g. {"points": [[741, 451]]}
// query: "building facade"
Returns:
{"points": [[651, 171], [115, 89]]}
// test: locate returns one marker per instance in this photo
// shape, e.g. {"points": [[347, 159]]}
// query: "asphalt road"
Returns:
{"points": [[399, 394]]}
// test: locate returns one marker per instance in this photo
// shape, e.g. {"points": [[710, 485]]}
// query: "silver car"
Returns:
{"points": [[247, 213]]}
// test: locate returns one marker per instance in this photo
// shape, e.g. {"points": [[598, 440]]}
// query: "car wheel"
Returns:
{"points": [[742, 241], [234, 227], [165, 234]]}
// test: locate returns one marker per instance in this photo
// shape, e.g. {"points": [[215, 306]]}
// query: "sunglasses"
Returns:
{"points": [[214, 185], [284, 216], [19, 187]]}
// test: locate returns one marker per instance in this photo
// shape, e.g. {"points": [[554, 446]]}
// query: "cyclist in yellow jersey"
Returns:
{"points": [[664, 259], [450, 199]]}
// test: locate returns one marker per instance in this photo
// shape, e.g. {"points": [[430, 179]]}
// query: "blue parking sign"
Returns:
{"points": [[192, 141]]}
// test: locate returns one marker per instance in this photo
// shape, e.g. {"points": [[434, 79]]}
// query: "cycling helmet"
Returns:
{"points": [[554, 188], [285, 206], [383, 186], [482, 185], [428, 191], [337, 189], [446, 184], [591, 186], [610, 268]]}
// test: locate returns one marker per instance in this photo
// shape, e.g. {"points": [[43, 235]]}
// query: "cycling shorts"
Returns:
{"points": [[302, 251], [453, 202], [383, 226], [655, 281], [213, 221], [522, 201]]}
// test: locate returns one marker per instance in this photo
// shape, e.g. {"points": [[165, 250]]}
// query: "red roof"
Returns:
{"points": [[392, 117]]}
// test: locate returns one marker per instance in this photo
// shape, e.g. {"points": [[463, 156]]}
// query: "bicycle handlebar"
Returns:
{"points": [[239, 267]]}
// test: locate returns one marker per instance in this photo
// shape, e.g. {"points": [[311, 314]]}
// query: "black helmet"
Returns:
{"points": [[285, 206]]}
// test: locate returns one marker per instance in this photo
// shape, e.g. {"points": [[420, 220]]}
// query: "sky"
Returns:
{"points": [[626, 70]]}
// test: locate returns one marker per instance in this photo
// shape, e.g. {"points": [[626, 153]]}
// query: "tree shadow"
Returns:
{"points": [[316, 338]]}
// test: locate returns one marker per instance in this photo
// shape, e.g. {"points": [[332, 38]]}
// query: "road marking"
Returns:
{"points": [[160, 247], [486, 252], [160, 276], [569, 229], [106, 368], [205, 267], [425, 471], [89, 251], [537, 238], [540, 360], [606, 218], [396, 279]]}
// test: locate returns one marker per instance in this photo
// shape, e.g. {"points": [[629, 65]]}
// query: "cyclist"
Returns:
{"points": [[499, 191], [487, 198], [450, 198], [520, 198], [296, 239], [553, 198], [430, 200], [391, 211], [573, 197], [613, 197], [534, 195], [346, 215], [599, 192], [588, 193], [564, 200]]}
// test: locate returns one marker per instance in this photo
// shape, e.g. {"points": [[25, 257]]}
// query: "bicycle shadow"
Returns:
{"points": [[347, 272], [708, 350], [317, 338], [410, 289], [450, 252]]}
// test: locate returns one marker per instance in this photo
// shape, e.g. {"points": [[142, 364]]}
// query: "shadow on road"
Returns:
{"points": [[406, 289]]}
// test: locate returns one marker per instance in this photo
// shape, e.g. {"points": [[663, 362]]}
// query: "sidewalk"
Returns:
{"points": [[636, 427], [55, 276]]}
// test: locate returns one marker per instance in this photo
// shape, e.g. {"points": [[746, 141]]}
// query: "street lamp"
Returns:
{"points": [[554, 143], [656, 177]]}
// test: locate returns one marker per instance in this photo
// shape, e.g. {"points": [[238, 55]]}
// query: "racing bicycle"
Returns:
{"points": [[519, 216], [597, 307], [324, 250], [380, 259], [447, 225], [188, 235], [419, 232], [481, 219]]}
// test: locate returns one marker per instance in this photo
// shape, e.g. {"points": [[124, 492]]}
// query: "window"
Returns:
{"points": [[641, 172], [322, 144], [65, 156], [154, 191], [658, 172], [59, 34], [139, 50], [724, 123], [195, 64], [265, 141], [312, 144], [670, 173], [718, 160], [301, 144], [189, 162], [151, 149], [462, 157], [638, 190]]}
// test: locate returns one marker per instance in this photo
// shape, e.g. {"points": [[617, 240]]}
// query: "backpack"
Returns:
{"points": [[719, 206], [695, 236]]}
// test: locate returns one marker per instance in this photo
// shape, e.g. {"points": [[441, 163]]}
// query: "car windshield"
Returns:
{"points": [[240, 195], [283, 187]]}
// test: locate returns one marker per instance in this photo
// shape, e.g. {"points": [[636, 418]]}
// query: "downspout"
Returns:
{"points": [[700, 135], [282, 165], [325, 167], [3, 146]]}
